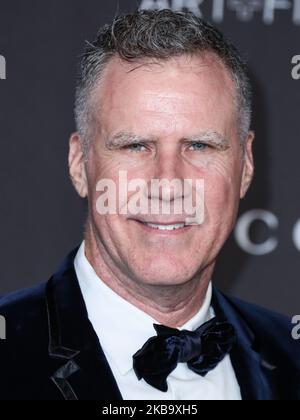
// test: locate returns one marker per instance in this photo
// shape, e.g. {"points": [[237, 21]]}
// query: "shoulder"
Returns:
{"points": [[260, 317], [22, 309], [25, 344], [271, 331], [24, 314]]}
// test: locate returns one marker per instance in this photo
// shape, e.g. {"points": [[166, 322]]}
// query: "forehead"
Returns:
{"points": [[185, 87]]}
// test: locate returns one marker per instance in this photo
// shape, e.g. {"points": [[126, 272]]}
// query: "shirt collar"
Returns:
{"points": [[121, 327]]}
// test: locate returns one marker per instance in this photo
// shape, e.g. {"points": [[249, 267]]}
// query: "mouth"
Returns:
{"points": [[164, 228]]}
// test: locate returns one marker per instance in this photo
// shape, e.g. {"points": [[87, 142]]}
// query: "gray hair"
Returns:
{"points": [[158, 34]]}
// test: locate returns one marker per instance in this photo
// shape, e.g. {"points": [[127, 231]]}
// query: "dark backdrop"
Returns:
{"points": [[41, 218]]}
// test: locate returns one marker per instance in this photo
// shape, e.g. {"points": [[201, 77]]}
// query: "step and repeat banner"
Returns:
{"points": [[42, 218]]}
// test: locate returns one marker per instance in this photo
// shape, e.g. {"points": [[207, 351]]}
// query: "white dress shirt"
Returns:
{"points": [[122, 329]]}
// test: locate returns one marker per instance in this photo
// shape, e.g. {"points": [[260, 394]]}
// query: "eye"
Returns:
{"points": [[135, 147], [198, 146]]}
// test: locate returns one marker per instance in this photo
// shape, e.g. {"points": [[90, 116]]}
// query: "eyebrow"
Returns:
{"points": [[124, 138], [211, 137]]}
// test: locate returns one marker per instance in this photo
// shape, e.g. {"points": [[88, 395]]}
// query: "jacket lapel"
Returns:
{"points": [[82, 371], [256, 376]]}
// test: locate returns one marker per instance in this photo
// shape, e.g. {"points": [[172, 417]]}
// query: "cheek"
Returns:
{"points": [[104, 169], [101, 167], [222, 187]]}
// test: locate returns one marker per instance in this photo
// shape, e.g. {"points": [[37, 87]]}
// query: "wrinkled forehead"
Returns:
{"points": [[206, 68], [178, 93]]}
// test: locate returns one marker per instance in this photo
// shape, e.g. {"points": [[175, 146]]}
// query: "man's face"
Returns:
{"points": [[172, 120]]}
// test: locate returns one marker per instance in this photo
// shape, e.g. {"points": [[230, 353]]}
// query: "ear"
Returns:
{"points": [[76, 165], [248, 165]]}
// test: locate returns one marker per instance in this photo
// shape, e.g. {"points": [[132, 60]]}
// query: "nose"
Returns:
{"points": [[167, 176]]}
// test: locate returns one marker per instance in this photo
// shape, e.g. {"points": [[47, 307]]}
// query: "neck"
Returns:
{"points": [[170, 305]]}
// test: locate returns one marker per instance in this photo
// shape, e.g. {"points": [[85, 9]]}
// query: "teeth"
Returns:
{"points": [[166, 227]]}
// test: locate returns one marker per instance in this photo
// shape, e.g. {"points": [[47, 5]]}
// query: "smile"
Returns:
{"points": [[164, 228]]}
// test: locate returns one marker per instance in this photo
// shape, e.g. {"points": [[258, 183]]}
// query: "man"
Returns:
{"points": [[132, 313]]}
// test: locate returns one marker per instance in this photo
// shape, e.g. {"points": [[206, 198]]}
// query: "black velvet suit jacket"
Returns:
{"points": [[51, 351]]}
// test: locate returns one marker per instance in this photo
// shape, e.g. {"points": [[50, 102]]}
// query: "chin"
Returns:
{"points": [[164, 271]]}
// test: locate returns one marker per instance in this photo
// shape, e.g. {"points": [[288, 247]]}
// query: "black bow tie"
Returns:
{"points": [[202, 350]]}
